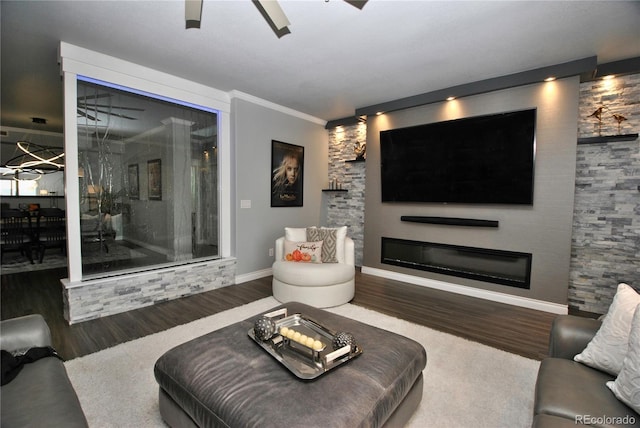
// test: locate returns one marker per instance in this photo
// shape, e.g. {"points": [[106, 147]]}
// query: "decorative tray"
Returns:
{"points": [[303, 345]]}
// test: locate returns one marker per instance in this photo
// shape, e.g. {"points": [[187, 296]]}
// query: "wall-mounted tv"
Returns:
{"points": [[476, 160]]}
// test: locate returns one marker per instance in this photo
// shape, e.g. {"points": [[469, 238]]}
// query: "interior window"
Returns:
{"points": [[148, 179], [12, 185]]}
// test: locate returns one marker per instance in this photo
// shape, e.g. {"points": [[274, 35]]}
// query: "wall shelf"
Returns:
{"points": [[607, 139], [334, 190], [355, 160]]}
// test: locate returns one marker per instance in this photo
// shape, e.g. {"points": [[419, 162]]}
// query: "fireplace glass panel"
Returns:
{"points": [[496, 266]]}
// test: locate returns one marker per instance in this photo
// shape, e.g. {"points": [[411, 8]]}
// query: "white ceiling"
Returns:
{"points": [[337, 57]]}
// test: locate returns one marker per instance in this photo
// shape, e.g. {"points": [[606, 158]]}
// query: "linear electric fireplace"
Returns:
{"points": [[497, 266]]}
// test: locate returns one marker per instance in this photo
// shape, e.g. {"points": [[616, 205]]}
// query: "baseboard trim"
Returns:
{"points": [[494, 296], [246, 277]]}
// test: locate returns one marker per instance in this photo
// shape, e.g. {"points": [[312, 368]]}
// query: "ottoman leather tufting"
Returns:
{"points": [[225, 379]]}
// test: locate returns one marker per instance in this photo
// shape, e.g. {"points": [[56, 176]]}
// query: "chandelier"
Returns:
{"points": [[32, 160]]}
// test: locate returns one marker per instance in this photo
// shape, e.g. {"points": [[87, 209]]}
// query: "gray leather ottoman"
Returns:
{"points": [[225, 379]]}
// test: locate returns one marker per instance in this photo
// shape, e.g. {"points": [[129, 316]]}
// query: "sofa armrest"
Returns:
{"points": [[24, 332], [570, 335]]}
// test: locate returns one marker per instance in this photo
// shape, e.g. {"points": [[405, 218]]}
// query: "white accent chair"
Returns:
{"points": [[321, 285]]}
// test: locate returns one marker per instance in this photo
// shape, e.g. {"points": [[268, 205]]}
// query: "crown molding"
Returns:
{"points": [[277, 107]]}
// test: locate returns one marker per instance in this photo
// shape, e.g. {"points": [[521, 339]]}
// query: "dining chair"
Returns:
{"points": [[51, 230], [16, 233]]}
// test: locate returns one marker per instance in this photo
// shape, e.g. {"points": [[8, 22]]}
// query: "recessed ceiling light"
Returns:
{"points": [[550, 79], [608, 77], [451, 98], [379, 113]]}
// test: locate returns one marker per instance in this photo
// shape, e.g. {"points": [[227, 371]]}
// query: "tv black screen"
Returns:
{"points": [[478, 160]]}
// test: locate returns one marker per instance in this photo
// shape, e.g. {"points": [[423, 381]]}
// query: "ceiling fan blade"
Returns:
{"points": [[357, 3], [193, 13], [116, 107], [97, 110], [275, 17], [87, 115], [93, 97]]}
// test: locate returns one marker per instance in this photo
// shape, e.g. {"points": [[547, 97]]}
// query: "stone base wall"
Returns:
{"points": [[102, 297], [347, 208], [606, 225]]}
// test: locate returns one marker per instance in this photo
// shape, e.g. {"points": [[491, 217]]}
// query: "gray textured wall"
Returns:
{"points": [[543, 229], [258, 227]]}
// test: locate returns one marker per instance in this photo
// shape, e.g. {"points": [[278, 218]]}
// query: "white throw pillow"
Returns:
{"points": [[295, 234], [609, 346], [309, 252], [627, 385]]}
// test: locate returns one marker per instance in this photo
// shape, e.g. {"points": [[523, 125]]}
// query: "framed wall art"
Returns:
{"points": [[154, 176], [134, 183], [287, 167]]}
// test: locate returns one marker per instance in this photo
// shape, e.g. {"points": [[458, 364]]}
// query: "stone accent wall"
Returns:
{"points": [[620, 95], [347, 208], [108, 296], [606, 227]]}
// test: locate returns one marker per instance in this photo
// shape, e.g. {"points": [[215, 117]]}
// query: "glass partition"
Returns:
{"points": [[148, 179]]}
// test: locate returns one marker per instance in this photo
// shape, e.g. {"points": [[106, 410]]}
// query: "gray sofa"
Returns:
{"points": [[570, 394], [41, 395]]}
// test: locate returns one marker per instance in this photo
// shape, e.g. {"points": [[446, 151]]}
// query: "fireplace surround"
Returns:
{"points": [[483, 264]]}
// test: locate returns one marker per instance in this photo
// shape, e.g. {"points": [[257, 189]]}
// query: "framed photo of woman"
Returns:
{"points": [[287, 167]]}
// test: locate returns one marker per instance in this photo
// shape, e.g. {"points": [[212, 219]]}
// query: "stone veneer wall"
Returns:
{"points": [[347, 208], [107, 296], [606, 225]]}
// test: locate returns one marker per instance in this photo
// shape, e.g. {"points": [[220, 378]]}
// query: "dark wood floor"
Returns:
{"points": [[517, 330]]}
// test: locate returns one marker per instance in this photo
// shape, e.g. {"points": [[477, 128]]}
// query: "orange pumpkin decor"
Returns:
{"points": [[298, 256], [306, 252]]}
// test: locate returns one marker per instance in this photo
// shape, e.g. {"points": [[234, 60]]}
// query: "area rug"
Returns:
{"points": [[466, 384], [53, 259]]}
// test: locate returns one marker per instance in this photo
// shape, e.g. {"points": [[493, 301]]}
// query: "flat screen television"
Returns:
{"points": [[476, 160]]}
